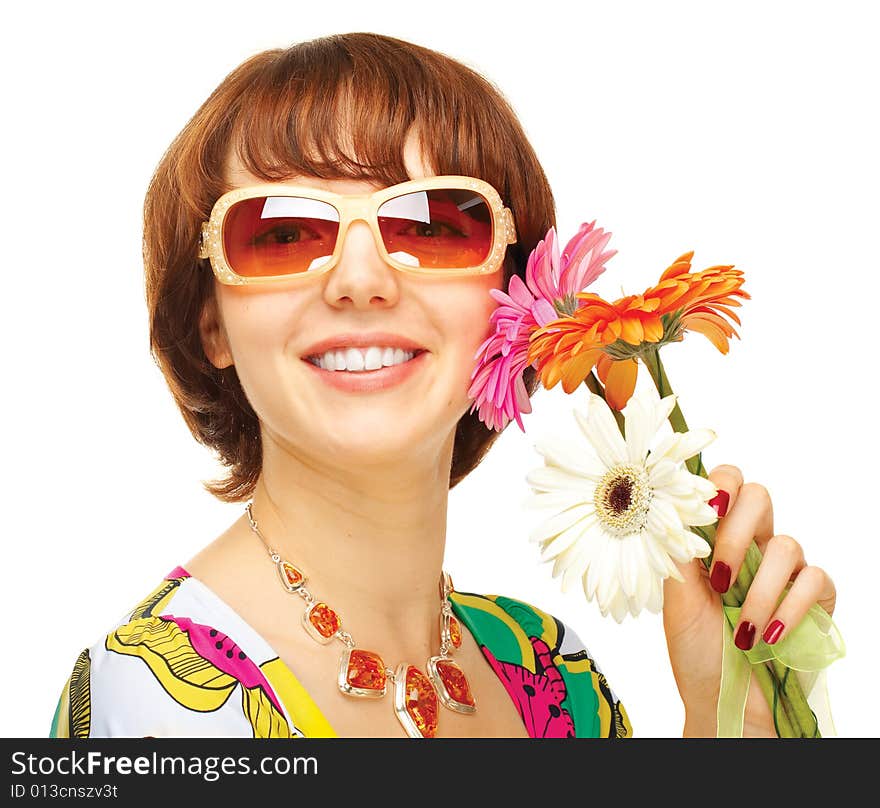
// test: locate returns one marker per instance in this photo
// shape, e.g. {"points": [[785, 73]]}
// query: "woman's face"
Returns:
{"points": [[267, 332]]}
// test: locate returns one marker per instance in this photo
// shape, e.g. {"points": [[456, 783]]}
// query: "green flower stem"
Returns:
{"points": [[780, 686]]}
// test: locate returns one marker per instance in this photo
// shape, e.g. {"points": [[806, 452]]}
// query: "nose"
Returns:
{"points": [[357, 237], [361, 274]]}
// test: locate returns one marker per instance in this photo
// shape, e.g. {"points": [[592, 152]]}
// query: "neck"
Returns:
{"points": [[370, 540]]}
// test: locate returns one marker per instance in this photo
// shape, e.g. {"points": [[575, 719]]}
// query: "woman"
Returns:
{"points": [[337, 399]]}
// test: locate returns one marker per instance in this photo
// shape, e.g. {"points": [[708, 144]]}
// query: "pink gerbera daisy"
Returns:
{"points": [[552, 282]]}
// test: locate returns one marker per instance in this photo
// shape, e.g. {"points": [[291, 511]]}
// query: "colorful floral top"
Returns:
{"points": [[183, 663]]}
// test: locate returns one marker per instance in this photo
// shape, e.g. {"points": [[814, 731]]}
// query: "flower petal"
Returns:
{"points": [[678, 547], [655, 554], [632, 563], [699, 546], [680, 446], [643, 585], [705, 488], [681, 484], [710, 329], [663, 515], [690, 509], [560, 452], [564, 559], [655, 601], [568, 537], [703, 515], [619, 606], [552, 527], [577, 368], [643, 416], [550, 478], [576, 566], [602, 431], [639, 428], [591, 579], [621, 382], [661, 471], [544, 500], [609, 577]]}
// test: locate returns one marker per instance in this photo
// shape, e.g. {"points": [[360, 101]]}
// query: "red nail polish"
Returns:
{"points": [[745, 635], [720, 502], [720, 577], [772, 632]]}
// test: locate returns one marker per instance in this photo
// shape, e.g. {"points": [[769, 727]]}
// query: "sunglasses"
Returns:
{"points": [[442, 226]]}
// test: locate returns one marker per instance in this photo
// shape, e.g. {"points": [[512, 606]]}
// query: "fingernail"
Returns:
{"points": [[772, 632], [720, 502], [720, 577], [745, 635]]}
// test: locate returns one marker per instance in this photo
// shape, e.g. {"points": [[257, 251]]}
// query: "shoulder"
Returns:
{"points": [[179, 663], [527, 644]]}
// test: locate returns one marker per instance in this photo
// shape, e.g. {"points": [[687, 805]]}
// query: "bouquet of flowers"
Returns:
{"points": [[626, 506]]}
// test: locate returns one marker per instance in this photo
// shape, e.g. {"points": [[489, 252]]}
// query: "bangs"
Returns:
{"points": [[343, 110]]}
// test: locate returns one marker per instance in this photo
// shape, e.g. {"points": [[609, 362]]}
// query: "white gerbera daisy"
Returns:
{"points": [[622, 513]]}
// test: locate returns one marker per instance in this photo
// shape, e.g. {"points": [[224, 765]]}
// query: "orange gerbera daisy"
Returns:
{"points": [[567, 349], [611, 336], [693, 300]]}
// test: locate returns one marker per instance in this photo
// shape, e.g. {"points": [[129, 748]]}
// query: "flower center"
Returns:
{"points": [[620, 494], [622, 500]]}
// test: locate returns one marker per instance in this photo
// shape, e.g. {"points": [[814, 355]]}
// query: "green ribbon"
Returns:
{"points": [[808, 649]]}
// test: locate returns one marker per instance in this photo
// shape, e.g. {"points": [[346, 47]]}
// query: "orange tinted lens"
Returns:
{"points": [[444, 228], [279, 235]]}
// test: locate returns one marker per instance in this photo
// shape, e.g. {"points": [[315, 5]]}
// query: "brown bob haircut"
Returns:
{"points": [[294, 111]]}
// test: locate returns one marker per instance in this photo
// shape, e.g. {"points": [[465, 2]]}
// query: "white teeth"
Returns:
{"points": [[354, 359], [360, 359]]}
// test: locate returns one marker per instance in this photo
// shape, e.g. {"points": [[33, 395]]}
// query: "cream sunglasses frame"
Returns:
{"points": [[350, 208]]}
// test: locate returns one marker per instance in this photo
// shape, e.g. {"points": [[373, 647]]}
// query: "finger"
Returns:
{"points": [[783, 559], [812, 585], [728, 480], [749, 518]]}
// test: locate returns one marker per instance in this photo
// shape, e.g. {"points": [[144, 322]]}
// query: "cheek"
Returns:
{"points": [[250, 332], [467, 325], [481, 307], [263, 331], [258, 326], [468, 318]]}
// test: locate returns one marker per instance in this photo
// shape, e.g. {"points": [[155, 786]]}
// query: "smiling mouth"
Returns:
{"points": [[317, 361]]}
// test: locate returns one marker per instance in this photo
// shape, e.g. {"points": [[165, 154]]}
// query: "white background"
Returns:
{"points": [[745, 132]]}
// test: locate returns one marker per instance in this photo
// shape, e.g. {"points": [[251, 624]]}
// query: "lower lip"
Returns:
{"points": [[369, 381]]}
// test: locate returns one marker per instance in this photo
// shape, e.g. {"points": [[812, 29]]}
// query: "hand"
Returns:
{"points": [[692, 610]]}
